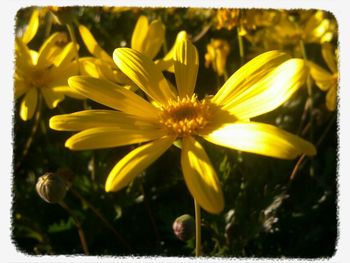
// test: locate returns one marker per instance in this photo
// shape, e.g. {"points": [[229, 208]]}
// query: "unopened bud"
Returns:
{"points": [[51, 188], [184, 227]]}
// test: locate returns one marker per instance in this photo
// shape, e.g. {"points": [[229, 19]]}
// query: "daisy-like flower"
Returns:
{"points": [[325, 80], [44, 73], [258, 87]]}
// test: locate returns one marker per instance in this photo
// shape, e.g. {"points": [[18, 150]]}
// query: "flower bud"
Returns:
{"points": [[51, 188], [184, 227]]}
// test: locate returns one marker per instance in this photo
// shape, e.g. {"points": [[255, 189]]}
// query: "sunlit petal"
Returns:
{"points": [[107, 137], [114, 96], [32, 27], [135, 162], [87, 119], [248, 75], [144, 73], [186, 68], [92, 45], [51, 97], [139, 34], [329, 56], [323, 78], [155, 39], [270, 92], [200, 176], [49, 49], [28, 104], [262, 139]]}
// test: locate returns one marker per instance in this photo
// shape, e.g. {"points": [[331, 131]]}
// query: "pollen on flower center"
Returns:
{"points": [[186, 116]]}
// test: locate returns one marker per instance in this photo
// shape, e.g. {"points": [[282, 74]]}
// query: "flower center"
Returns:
{"points": [[39, 78], [186, 116]]}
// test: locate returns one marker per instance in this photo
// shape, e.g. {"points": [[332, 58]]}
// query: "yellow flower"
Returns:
{"points": [[44, 72], [217, 52], [258, 87], [325, 80], [146, 38], [32, 27]]}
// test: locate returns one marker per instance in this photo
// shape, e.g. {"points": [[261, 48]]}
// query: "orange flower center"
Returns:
{"points": [[186, 116]]}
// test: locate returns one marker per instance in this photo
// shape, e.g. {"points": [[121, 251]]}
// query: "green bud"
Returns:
{"points": [[51, 188], [184, 227]]}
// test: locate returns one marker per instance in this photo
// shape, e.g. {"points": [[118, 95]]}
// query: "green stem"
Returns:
{"points": [[74, 40], [197, 210], [78, 226], [32, 132], [240, 45]]}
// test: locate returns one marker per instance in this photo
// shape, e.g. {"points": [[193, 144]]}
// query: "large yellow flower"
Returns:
{"points": [[44, 72], [258, 87]]}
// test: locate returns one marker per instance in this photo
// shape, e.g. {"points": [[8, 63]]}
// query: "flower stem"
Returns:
{"points": [[240, 45], [78, 226], [32, 133], [197, 210]]}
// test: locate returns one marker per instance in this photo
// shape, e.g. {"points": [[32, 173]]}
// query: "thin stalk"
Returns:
{"points": [[197, 210], [118, 236], [74, 40], [78, 226], [32, 133], [240, 45]]}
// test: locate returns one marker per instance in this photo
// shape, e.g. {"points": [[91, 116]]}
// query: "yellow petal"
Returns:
{"points": [[51, 97], [200, 176], [66, 56], [261, 139], [135, 162], [323, 79], [114, 96], [88, 119], [107, 137], [154, 40], [20, 87], [144, 73], [139, 34], [331, 99], [186, 68], [270, 91], [249, 74], [24, 59], [167, 62], [32, 27], [330, 57], [92, 45], [49, 49], [28, 104]]}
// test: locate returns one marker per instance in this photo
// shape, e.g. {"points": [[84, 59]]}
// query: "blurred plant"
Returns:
{"points": [[217, 52], [325, 80]]}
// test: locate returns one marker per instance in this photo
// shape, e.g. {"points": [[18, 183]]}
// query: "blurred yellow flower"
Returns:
{"points": [[325, 80], [44, 72], [217, 52], [147, 38], [258, 87]]}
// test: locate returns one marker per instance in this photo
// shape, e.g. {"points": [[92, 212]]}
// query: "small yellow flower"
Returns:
{"points": [[44, 72], [147, 38], [325, 80], [217, 52], [258, 87]]}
